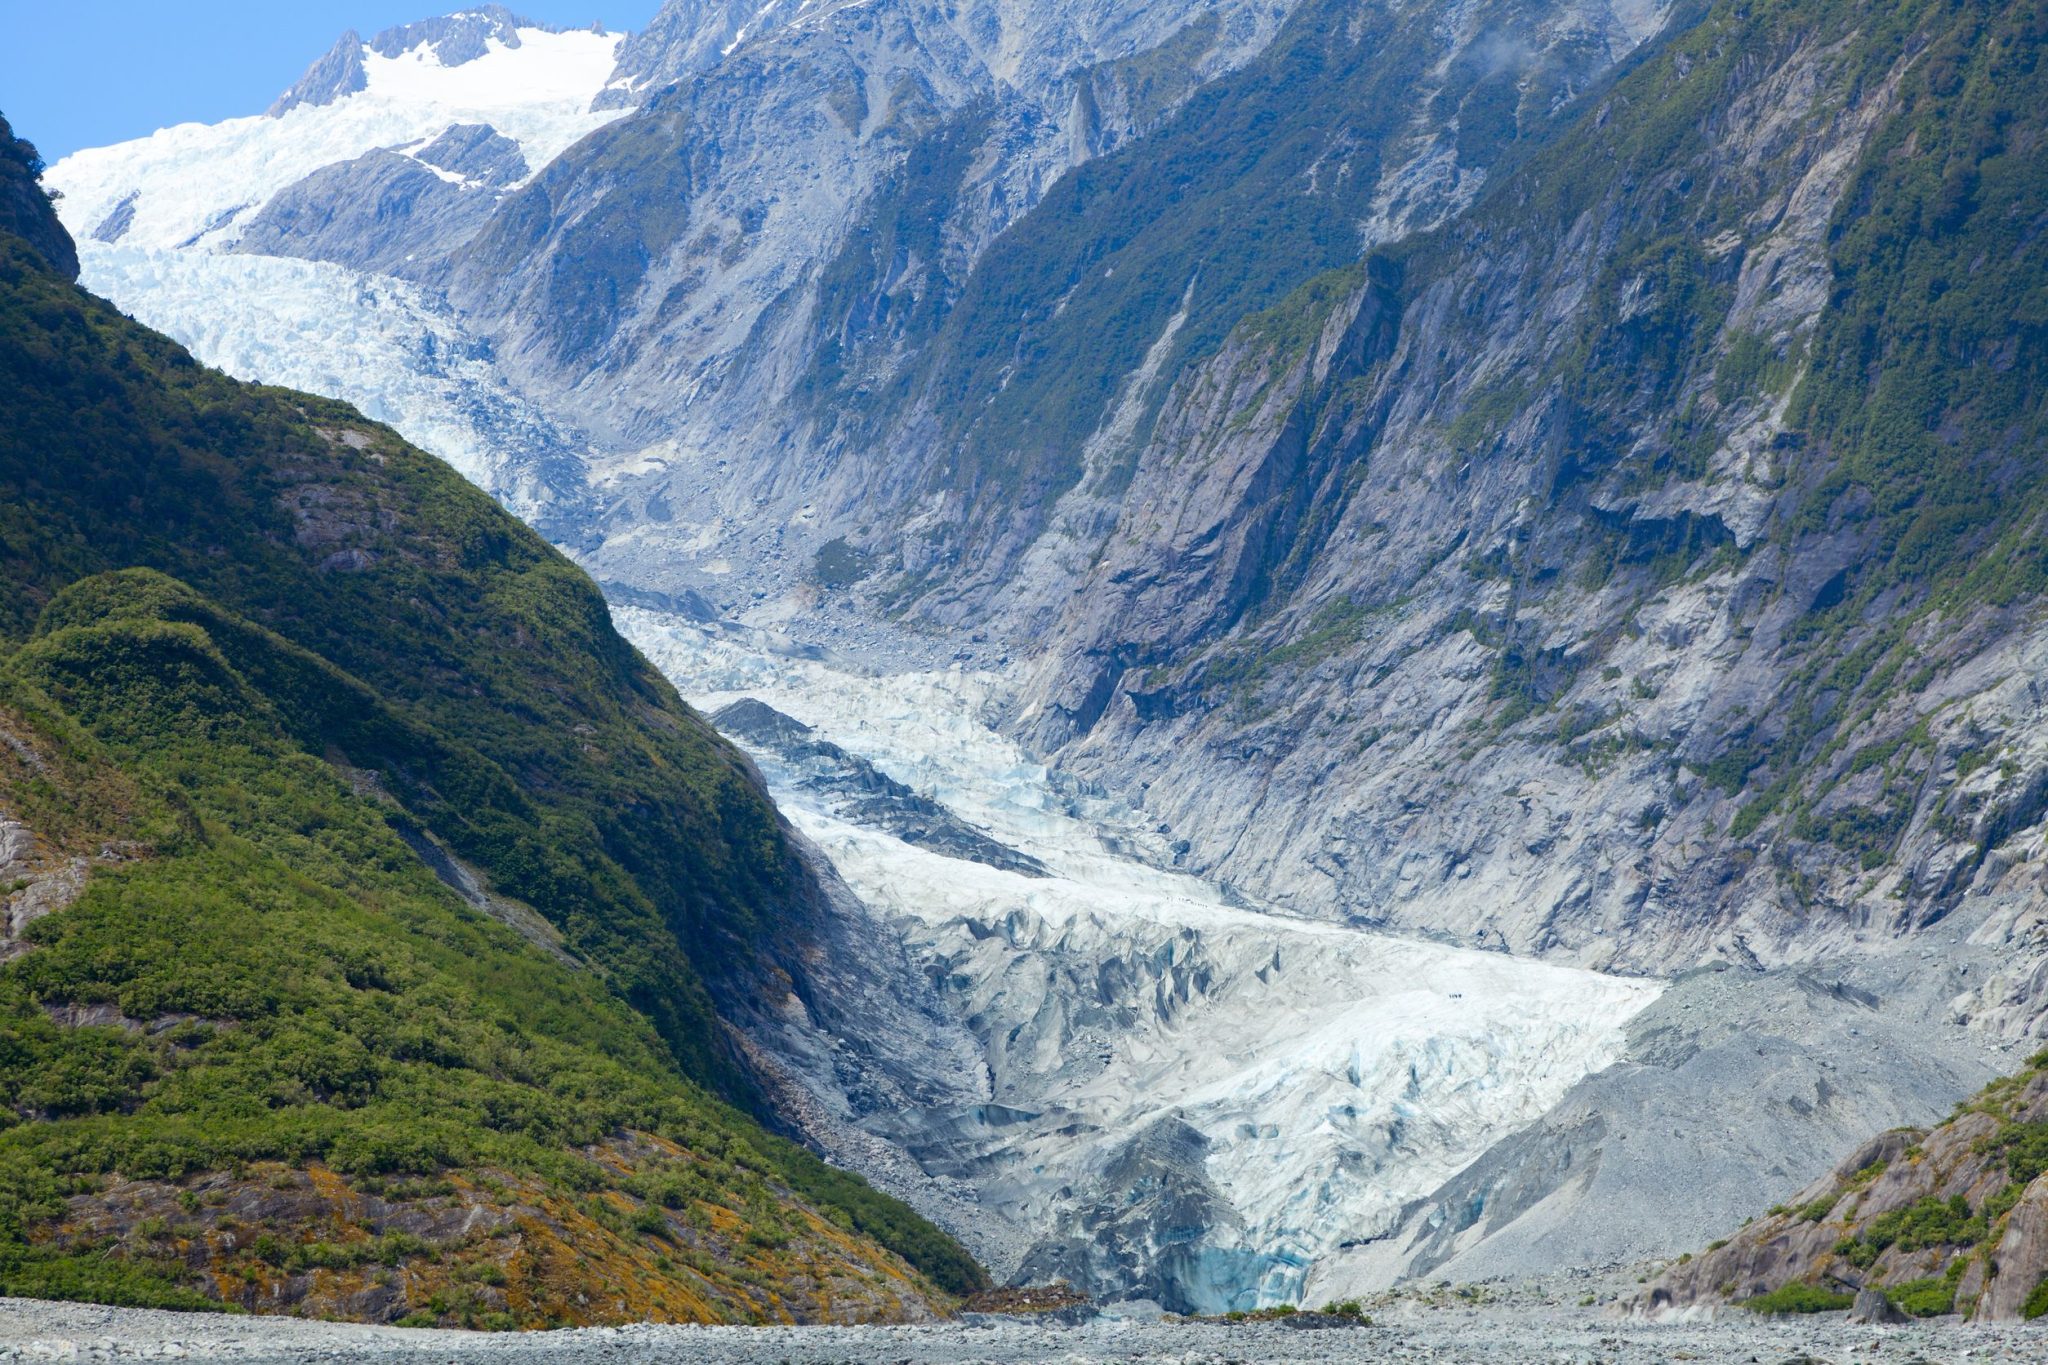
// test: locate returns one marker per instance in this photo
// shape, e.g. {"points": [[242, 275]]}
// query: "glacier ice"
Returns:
{"points": [[392, 349], [1316, 1076], [189, 185]]}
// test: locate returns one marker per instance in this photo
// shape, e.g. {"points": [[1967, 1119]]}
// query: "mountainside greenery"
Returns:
{"points": [[1915, 420], [265, 671]]}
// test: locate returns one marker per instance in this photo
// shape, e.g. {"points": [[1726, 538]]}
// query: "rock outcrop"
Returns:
{"points": [[1948, 1220]]}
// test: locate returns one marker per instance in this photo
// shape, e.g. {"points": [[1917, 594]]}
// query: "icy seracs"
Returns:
{"points": [[157, 220], [1184, 1098]]}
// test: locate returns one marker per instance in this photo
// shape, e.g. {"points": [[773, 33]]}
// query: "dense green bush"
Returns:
{"points": [[1929, 1223], [1928, 1298], [1799, 1298]]}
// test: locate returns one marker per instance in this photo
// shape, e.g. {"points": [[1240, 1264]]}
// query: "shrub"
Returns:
{"points": [[1928, 1298], [1798, 1298]]}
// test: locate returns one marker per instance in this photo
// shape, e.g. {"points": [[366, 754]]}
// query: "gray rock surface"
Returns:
{"points": [[455, 38], [1500, 1325], [686, 37], [478, 153], [115, 225], [380, 212], [834, 132], [337, 73], [1872, 1306]]}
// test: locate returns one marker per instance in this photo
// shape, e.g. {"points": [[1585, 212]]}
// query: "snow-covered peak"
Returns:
{"points": [[190, 186]]}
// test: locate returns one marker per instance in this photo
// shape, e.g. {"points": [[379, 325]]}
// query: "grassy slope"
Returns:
{"points": [[337, 643]]}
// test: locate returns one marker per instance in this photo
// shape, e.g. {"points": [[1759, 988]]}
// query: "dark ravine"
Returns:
{"points": [[372, 911]]}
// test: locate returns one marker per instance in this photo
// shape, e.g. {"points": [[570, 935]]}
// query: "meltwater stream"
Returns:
{"points": [[1181, 1098]]}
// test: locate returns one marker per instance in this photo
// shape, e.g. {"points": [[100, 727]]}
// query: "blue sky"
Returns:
{"points": [[83, 73]]}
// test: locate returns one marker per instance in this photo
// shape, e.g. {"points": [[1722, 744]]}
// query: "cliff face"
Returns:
{"points": [[871, 279], [1948, 1220], [837, 172], [1635, 568]]}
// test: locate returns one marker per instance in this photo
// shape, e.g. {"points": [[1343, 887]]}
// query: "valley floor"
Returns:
{"points": [[1501, 1334]]}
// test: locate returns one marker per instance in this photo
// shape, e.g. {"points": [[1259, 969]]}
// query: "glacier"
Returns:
{"points": [[190, 185], [1314, 1077], [393, 349], [1146, 1084]]}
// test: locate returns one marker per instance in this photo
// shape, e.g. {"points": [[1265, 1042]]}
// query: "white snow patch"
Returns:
{"points": [[185, 178]]}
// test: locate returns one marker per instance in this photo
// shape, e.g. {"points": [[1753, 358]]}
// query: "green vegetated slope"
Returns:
{"points": [[263, 669], [1948, 1220]]}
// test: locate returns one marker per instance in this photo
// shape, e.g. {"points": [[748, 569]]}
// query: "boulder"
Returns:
{"points": [[1872, 1306]]}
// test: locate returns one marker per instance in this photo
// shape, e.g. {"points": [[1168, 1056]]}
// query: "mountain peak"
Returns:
{"points": [[338, 73], [454, 39]]}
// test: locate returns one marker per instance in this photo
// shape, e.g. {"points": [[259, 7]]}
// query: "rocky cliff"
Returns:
{"points": [[1575, 578], [1952, 1219]]}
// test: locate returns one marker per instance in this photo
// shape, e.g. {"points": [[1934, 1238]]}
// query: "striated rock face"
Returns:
{"points": [[1504, 588], [686, 37], [1953, 1219], [794, 324], [337, 74], [836, 171]]}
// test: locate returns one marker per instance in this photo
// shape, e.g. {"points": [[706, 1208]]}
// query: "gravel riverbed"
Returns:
{"points": [[1499, 1334]]}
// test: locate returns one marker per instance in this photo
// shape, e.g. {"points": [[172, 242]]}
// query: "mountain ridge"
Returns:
{"points": [[368, 859]]}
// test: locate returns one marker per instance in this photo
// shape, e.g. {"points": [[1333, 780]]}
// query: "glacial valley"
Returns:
{"points": [[1314, 581]]}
